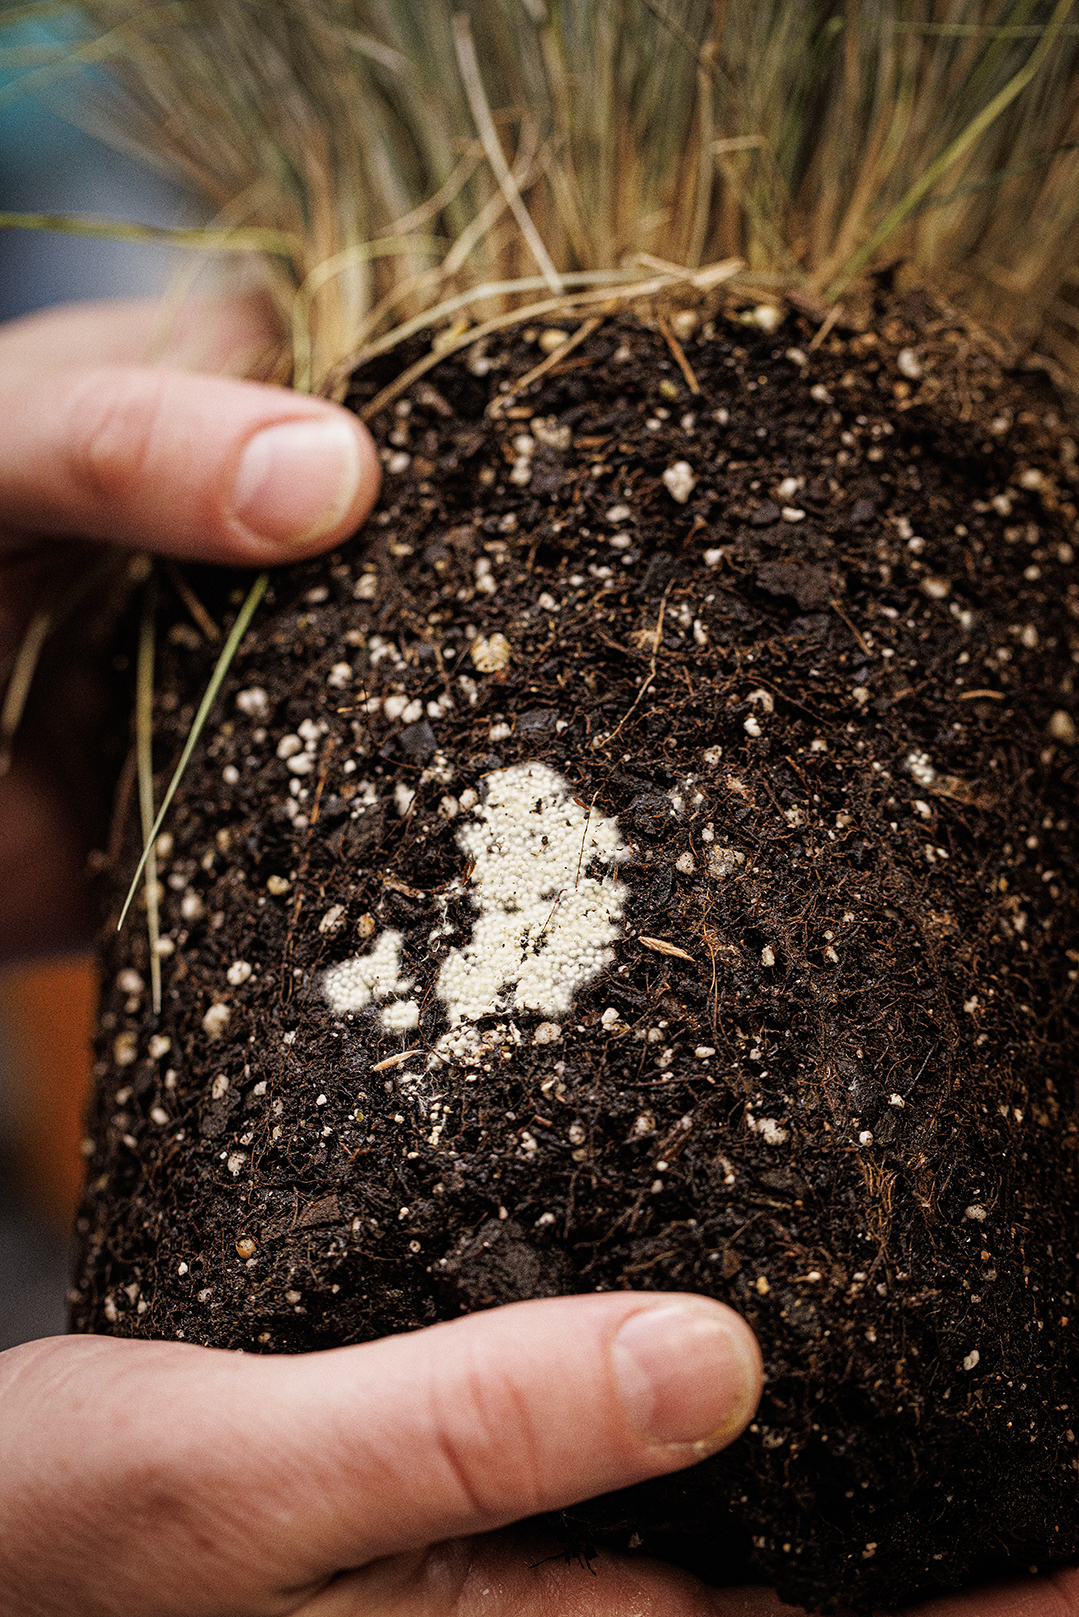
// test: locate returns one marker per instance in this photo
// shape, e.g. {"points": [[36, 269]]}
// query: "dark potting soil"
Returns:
{"points": [[802, 620]]}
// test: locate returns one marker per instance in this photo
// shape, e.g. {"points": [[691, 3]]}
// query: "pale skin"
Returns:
{"points": [[166, 1480]]}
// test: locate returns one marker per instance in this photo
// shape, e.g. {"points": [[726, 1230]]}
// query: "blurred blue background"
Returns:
{"points": [[48, 165]]}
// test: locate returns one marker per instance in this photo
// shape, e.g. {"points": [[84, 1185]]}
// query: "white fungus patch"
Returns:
{"points": [[355, 983], [544, 925], [546, 917]]}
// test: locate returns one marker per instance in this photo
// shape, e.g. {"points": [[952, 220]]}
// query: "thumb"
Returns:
{"points": [[195, 1471], [199, 467], [467, 1426]]}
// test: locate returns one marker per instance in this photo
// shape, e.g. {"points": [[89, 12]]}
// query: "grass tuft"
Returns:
{"points": [[426, 151]]}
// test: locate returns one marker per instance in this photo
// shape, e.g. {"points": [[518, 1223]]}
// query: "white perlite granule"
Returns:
{"points": [[544, 924]]}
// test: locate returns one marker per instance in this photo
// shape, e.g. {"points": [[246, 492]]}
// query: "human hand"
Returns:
{"points": [[96, 447], [166, 1480]]}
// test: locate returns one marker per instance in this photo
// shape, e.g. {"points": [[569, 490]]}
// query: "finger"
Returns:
{"points": [[193, 466], [218, 335], [470, 1425], [1056, 1595], [520, 1573], [285, 1471]]}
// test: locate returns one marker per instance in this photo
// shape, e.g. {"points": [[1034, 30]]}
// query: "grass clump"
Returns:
{"points": [[402, 155]]}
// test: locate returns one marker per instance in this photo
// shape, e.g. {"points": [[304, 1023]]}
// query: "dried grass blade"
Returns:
{"points": [[485, 126], [144, 754], [221, 668], [952, 152], [20, 681], [44, 623], [275, 243]]}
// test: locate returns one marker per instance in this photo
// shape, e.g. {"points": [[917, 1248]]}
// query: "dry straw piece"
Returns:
{"points": [[399, 159]]}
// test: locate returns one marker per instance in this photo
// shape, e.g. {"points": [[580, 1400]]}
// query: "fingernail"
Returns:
{"points": [[296, 480], [688, 1374]]}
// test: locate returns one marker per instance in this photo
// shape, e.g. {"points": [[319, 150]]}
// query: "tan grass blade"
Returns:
{"points": [[221, 668]]}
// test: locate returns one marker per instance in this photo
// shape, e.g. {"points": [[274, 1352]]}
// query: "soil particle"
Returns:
{"points": [[825, 1073]]}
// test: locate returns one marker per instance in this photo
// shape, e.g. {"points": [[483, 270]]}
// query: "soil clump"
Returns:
{"points": [[797, 614]]}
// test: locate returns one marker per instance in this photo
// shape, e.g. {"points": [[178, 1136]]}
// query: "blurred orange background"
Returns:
{"points": [[47, 1012]]}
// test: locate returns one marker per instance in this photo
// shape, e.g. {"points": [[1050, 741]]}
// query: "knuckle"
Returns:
{"points": [[116, 424], [489, 1443]]}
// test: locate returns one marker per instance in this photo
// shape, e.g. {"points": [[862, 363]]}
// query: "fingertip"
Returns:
{"points": [[689, 1374], [300, 485]]}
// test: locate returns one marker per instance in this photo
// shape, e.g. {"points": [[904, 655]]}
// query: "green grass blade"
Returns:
{"points": [[221, 668]]}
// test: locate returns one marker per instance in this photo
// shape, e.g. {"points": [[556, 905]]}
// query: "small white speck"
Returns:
{"points": [[770, 1130], [332, 918], [230, 775], [253, 703], [976, 1212], [792, 513], [403, 797], [752, 727], [1062, 727], [896, 1100], [219, 1086], [865, 1137], [236, 1162], [972, 1360], [768, 955], [491, 653], [680, 480], [339, 676], [909, 365], [768, 317], [160, 1045], [547, 1033], [238, 973], [216, 1020], [158, 1115]]}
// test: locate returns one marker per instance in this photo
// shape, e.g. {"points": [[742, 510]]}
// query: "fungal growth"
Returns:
{"points": [[541, 879]]}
